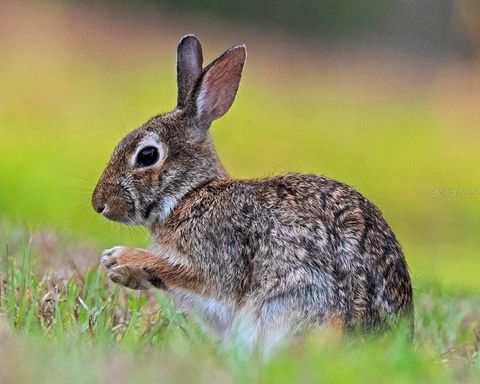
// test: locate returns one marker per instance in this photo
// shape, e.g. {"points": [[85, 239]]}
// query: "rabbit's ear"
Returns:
{"points": [[217, 86], [189, 67]]}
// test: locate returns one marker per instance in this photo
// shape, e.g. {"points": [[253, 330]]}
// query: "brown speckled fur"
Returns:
{"points": [[256, 260]]}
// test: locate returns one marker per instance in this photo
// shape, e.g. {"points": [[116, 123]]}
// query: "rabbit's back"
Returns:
{"points": [[304, 242]]}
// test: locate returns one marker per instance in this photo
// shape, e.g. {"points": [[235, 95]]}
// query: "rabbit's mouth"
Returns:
{"points": [[115, 203], [119, 214], [116, 209]]}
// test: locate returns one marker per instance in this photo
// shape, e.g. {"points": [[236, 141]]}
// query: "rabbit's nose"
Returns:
{"points": [[98, 201], [98, 206]]}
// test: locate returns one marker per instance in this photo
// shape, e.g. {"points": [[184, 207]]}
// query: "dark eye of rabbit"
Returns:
{"points": [[147, 156]]}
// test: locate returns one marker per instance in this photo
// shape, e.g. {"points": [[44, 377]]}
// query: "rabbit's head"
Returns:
{"points": [[172, 154]]}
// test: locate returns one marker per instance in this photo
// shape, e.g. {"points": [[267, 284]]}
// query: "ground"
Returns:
{"points": [[69, 323]]}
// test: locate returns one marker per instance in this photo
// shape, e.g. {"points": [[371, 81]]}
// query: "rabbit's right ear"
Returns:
{"points": [[216, 88], [189, 67]]}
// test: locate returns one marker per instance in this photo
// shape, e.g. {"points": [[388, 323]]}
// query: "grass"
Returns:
{"points": [[77, 327]]}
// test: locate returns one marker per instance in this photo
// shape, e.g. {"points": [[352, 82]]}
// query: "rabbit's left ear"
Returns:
{"points": [[217, 86], [189, 67]]}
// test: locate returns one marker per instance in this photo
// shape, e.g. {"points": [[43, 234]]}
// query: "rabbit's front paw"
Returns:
{"points": [[122, 269], [113, 256]]}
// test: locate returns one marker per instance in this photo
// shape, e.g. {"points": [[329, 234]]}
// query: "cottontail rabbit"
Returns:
{"points": [[257, 261]]}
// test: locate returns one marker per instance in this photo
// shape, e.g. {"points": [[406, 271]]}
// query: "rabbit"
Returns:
{"points": [[258, 262]]}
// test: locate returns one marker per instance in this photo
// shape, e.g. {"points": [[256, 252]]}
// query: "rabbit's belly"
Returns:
{"points": [[236, 327], [215, 316]]}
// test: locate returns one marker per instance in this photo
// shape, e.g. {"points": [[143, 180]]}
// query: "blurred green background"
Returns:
{"points": [[348, 90]]}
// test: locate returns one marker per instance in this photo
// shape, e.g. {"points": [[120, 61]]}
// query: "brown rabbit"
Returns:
{"points": [[257, 261]]}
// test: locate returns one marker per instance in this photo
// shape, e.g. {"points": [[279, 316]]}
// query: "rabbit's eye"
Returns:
{"points": [[147, 156]]}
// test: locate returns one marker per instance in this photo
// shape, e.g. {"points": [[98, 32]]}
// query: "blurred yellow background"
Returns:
{"points": [[393, 114]]}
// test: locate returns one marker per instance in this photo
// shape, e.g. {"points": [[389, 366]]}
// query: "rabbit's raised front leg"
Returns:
{"points": [[142, 269], [127, 266]]}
